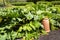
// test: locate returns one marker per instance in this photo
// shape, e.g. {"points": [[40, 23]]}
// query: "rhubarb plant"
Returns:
{"points": [[26, 22]]}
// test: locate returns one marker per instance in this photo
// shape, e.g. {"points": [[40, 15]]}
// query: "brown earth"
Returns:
{"points": [[53, 35]]}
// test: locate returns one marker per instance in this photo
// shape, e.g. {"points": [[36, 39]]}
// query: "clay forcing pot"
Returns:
{"points": [[46, 24]]}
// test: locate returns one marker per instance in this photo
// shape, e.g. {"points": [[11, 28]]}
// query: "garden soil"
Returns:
{"points": [[53, 35]]}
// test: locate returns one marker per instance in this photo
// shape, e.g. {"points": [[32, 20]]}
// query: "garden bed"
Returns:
{"points": [[28, 22], [53, 35]]}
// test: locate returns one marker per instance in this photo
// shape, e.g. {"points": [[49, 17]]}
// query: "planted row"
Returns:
{"points": [[26, 22]]}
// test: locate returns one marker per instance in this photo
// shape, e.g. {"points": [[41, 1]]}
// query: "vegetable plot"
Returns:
{"points": [[25, 22]]}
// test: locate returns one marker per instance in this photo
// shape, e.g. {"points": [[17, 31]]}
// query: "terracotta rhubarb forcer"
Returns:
{"points": [[46, 25]]}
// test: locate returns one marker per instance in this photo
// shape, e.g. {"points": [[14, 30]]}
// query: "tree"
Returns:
{"points": [[4, 2]]}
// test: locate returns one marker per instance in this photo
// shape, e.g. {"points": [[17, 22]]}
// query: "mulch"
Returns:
{"points": [[53, 35]]}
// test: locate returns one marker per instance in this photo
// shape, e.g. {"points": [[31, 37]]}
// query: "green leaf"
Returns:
{"points": [[1, 19], [24, 27], [36, 24], [20, 29], [29, 16], [13, 34], [3, 37], [33, 27]]}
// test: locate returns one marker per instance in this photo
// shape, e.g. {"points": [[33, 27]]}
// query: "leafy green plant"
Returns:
{"points": [[25, 22]]}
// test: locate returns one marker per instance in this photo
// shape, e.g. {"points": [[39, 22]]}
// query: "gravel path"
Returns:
{"points": [[53, 35]]}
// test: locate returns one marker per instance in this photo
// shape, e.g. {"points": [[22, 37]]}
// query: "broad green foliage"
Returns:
{"points": [[26, 22]]}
